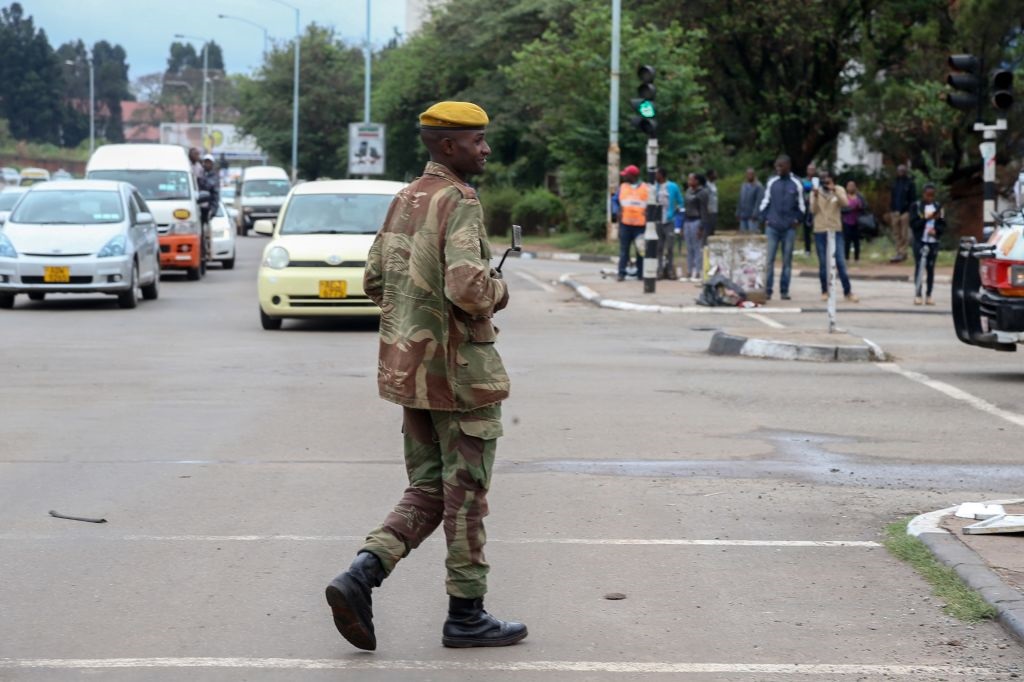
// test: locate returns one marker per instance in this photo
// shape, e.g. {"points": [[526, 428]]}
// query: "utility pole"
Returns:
{"points": [[295, 92], [613, 117], [367, 67], [206, 63]]}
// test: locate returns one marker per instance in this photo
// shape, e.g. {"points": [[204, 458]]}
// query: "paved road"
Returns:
{"points": [[736, 503]]}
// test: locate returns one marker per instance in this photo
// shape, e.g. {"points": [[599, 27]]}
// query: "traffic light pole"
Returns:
{"points": [[988, 160], [650, 263]]}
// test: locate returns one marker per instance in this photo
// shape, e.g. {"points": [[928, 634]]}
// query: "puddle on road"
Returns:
{"points": [[803, 457]]}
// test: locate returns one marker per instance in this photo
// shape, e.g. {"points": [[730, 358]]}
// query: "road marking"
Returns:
{"points": [[956, 393], [8, 537], [774, 324], [501, 666], [533, 280]]}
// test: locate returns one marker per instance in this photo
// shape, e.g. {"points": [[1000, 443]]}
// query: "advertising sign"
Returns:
{"points": [[220, 139], [365, 149]]}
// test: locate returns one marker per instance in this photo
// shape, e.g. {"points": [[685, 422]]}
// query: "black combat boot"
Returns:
{"points": [[469, 625], [349, 597]]}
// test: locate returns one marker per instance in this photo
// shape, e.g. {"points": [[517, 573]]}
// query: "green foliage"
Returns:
{"points": [[539, 212], [330, 97], [498, 203], [729, 199], [30, 79]]}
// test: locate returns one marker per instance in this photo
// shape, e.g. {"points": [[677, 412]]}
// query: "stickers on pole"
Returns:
{"points": [[365, 149]]}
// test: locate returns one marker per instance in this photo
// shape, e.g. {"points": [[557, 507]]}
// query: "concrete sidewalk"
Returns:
{"points": [[991, 564]]}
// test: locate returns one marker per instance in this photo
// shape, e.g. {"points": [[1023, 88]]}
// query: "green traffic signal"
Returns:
{"points": [[646, 109]]}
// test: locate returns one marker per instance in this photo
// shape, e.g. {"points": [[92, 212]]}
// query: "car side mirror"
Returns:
{"points": [[264, 226], [143, 218]]}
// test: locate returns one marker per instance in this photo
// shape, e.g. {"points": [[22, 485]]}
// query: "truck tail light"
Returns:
{"points": [[1005, 276]]}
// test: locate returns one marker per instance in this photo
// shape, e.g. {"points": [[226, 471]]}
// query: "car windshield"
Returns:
{"points": [[69, 207], [335, 213], [265, 188], [8, 200], [153, 185]]}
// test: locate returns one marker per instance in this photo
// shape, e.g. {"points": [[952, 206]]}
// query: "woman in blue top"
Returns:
{"points": [[670, 202]]}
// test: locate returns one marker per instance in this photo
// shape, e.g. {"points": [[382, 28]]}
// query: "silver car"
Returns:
{"points": [[80, 236]]}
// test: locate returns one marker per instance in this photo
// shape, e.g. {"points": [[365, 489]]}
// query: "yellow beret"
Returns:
{"points": [[454, 116]]}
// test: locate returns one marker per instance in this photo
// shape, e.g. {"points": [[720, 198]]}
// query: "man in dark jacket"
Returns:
{"points": [[927, 221], [902, 197], [782, 209], [748, 209]]}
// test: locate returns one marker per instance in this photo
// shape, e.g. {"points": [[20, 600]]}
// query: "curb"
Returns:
{"points": [[939, 279], [723, 343], [591, 296], [972, 569]]}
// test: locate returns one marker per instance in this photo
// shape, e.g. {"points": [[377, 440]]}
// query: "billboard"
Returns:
{"points": [[365, 149], [221, 138]]}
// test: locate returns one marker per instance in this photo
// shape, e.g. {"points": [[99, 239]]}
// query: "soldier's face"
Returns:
{"points": [[469, 152]]}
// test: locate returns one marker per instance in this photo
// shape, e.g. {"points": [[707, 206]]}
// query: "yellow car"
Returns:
{"points": [[313, 266]]}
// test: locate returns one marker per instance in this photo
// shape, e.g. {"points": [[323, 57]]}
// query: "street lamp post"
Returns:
{"points": [[366, 79], [206, 63], [92, 102], [295, 93], [251, 23]]}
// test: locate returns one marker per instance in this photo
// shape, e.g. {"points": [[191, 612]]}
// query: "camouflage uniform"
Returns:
{"points": [[429, 271]]}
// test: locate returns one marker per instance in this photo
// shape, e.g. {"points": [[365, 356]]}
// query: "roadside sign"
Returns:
{"points": [[365, 149]]}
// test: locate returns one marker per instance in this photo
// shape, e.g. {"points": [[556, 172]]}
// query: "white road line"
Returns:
{"points": [[533, 280], [956, 393], [501, 666], [774, 324], [10, 537]]}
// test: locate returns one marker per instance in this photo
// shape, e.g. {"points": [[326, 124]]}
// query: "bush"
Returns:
{"points": [[538, 211], [729, 198], [498, 203]]}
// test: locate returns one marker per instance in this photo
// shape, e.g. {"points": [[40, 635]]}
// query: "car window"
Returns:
{"points": [[133, 208], [69, 207], [143, 206], [265, 188], [8, 200], [335, 213], [220, 210], [153, 185]]}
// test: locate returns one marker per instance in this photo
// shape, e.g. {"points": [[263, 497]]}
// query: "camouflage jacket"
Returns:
{"points": [[429, 271]]}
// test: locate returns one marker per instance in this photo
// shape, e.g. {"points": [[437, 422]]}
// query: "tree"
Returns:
{"points": [[569, 114], [330, 97], [183, 81], [74, 61], [30, 79], [111, 84]]}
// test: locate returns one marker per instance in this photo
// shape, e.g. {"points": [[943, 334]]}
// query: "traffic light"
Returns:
{"points": [[1002, 89], [644, 102], [966, 80]]}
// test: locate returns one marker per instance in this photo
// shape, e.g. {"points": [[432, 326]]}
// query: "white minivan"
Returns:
{"points": [[163, 175], [261, 191]]}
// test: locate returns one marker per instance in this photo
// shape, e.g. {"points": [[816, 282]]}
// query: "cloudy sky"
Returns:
{"points": [[146, 28]]}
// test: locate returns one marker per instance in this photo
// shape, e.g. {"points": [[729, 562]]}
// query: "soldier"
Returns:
{"points": [[429, 271]]}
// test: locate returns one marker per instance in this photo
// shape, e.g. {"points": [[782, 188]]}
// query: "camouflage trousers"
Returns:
{"points": [[448, 457]]}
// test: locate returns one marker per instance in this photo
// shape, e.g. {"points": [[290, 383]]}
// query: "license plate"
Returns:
{"points": [[56, 275], [333, 288]]}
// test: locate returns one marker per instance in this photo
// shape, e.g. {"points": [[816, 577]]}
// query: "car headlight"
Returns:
{"points": [[185, 227], [277, 258], [115, 247], [6, 247]]}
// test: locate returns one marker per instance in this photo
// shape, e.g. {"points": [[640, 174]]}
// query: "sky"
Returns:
{"points": [[146, 28]]}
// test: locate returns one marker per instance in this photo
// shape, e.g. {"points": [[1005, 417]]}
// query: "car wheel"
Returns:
{"points": [[151, 291], [6, 301], [193, 274], [130, 298], [269, 323], [37, 295], [229, 263]]}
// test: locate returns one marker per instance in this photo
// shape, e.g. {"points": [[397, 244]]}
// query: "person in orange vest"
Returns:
{"points": [[633, 196]]}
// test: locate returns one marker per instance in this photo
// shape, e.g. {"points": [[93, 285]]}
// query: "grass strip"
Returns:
{"points": [[961, 601]]}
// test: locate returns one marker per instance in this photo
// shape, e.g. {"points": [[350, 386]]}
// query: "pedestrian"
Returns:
{"points": [[782, 209], [711, 184], [429, 271], [810, 182], [827, 201], [197, 165], [633, 196], [855, 207], [747, 210], [670, 200], [927, 221], [903, 194], [696, 214], [209, 182]]}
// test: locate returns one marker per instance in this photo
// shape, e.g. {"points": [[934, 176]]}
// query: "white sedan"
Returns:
{"points": [[80, 236], [223, 237]]}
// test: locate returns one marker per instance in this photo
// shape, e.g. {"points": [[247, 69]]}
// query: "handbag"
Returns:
{"points": [[867, 225]]}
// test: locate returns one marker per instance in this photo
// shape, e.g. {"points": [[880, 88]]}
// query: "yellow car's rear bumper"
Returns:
{"points": [[295, 292]]}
